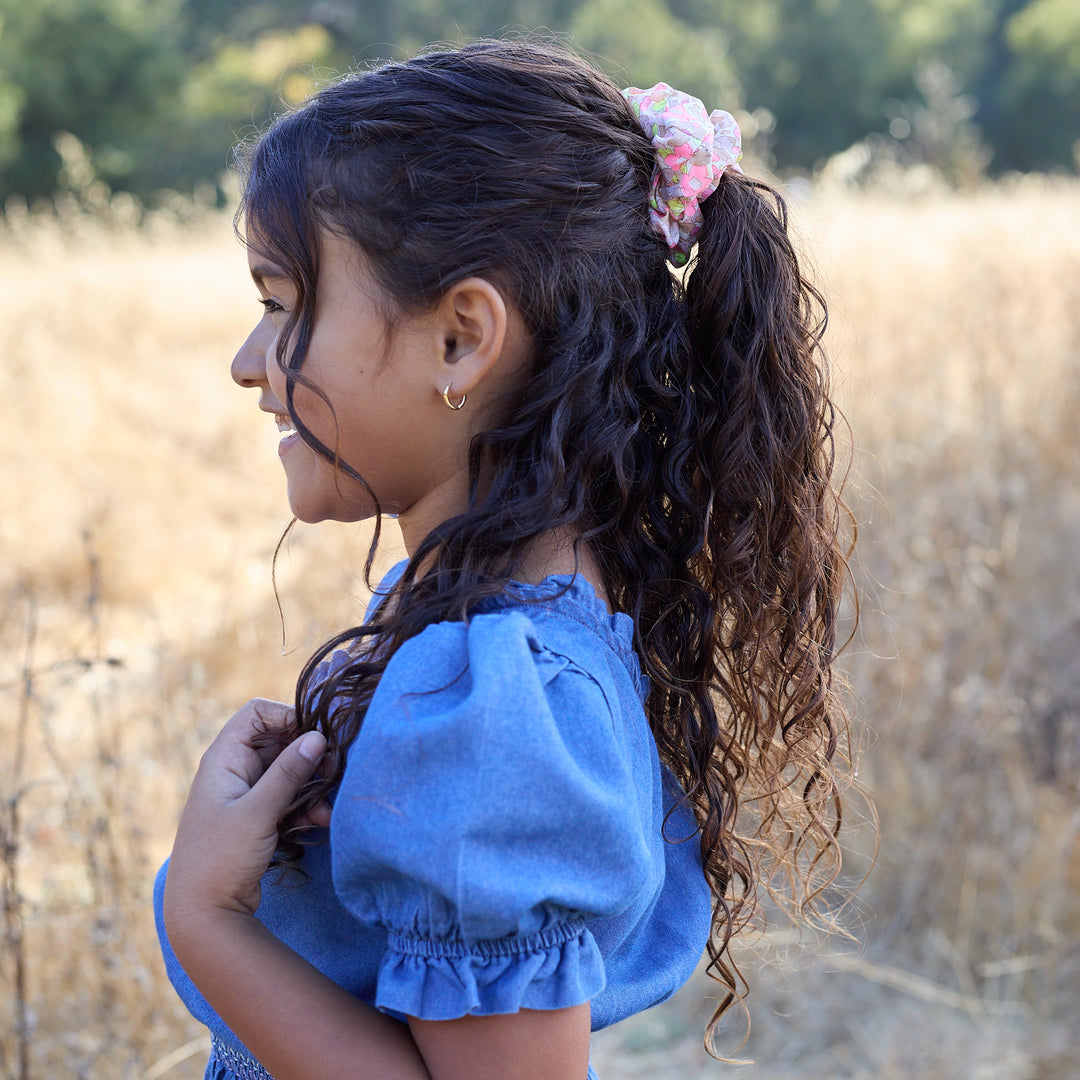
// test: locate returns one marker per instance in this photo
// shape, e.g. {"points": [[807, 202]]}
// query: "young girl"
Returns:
{"points": [[590, 718]]}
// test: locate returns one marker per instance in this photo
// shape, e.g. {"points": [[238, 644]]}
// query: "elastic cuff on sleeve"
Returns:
{"points": [[443, 980]]}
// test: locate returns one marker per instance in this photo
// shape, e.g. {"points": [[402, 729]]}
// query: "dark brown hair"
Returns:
{"points": [[681, 427]]}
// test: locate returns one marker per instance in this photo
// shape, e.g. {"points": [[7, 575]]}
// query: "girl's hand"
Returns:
{"points": [[287, 1012], [228, 830]]}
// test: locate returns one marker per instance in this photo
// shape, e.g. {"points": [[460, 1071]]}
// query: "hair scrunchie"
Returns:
{"points": [[693, 150]]}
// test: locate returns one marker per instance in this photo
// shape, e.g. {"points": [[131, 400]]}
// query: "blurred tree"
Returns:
{"points": [[987, 80], [953, 32], [101, 70], [820, 67], [154, 92], [1019, 60], [229, 95], [11, 103], [205, 24], [638, 40], [1039, 123]]}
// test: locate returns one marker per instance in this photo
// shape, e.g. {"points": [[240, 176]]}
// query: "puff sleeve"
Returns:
{"points": [[488, 809]]}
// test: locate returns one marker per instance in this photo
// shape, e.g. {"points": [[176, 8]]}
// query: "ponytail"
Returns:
{"points": [[740, 645]]}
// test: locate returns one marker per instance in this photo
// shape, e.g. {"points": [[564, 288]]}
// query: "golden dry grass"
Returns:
{"points": [[142, 501]]}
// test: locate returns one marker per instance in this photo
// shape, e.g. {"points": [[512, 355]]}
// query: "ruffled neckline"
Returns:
{"points": [[569, 596]]}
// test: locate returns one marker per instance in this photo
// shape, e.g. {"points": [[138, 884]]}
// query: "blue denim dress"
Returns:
{"points": [[504, 836]]}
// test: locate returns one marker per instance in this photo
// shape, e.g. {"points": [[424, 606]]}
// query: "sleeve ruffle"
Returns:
{"points": [[445, 979]]}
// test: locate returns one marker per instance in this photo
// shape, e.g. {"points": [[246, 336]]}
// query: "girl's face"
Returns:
{"points": [[385, 416]]}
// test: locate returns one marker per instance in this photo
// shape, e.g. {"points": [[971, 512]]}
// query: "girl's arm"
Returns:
{"points": [[526, 1045], [298, 1023]]}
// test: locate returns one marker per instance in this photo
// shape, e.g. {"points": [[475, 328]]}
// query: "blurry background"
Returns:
{"points": [[929, 149]]}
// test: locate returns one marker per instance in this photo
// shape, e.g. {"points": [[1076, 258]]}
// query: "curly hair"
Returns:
{"points": [[681, 427]]}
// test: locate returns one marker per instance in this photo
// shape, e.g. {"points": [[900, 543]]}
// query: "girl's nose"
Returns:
{"points": [[249, 363]]}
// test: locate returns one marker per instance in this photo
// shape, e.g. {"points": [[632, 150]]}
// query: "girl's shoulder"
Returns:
{"points": [[557, 625]]}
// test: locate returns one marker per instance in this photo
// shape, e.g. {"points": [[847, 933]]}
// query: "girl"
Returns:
{"points": [[516, 795]]}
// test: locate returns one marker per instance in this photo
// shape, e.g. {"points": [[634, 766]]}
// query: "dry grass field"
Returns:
{"points": [[140, 502]]}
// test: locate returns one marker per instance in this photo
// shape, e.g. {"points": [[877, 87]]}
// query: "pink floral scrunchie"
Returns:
{"points": [[693, 148]]}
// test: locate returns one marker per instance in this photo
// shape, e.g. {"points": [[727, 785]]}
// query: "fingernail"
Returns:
{"points": [[311, 746]]}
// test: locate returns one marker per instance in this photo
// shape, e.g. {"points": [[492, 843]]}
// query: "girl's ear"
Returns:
{"points": [[472, 319]]}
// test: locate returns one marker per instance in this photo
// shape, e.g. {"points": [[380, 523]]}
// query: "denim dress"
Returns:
{"points": [[504, 836]]}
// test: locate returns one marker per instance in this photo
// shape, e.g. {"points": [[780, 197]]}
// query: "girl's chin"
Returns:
{"points": [[312, 517], [315, 496], [312, 513]]}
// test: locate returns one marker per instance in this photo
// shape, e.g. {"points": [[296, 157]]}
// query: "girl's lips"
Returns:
{"points": [[285, 426]]}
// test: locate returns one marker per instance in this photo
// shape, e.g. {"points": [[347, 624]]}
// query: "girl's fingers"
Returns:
{"points": [[248, 743], [261, 715], [318, 817], [275, 790]]}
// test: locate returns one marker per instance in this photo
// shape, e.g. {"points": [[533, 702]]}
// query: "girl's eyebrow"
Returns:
{"points": [[264, 272]]}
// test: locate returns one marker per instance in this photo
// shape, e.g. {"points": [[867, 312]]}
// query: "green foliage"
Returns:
{"points": [[11, 105], [154, 92], [955, 32], [1041, 126], [101, 70], [635, 41], [1049, 31], [821, 68], [228, 96]]}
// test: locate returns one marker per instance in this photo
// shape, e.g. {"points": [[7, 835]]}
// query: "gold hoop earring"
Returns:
{"points": [[446, 398]]}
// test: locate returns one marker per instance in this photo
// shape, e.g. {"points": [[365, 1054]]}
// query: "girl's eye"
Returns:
{"points": [[271, 305]]}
